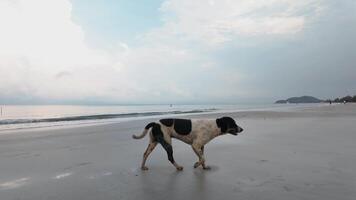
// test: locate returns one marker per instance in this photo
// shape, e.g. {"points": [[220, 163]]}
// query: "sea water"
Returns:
{"points": [[31, 116]]}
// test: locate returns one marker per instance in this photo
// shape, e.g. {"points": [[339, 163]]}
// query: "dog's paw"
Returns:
{"points": [[180, 168], [144, 168], [207, 168], [196, 164]]}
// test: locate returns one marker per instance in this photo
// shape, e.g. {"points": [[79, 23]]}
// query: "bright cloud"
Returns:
{"points": [[44, 54], [44, 32]]}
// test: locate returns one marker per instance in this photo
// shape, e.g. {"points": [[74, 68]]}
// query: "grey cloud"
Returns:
{"points": [[62, 74]]}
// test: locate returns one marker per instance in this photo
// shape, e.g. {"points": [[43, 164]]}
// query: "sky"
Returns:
{"points": [[175, 51]]}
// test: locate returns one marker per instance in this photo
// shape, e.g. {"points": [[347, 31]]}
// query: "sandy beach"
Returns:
{"points": [[307, 153]]}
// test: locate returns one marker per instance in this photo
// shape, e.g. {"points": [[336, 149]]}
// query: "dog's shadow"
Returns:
{"points": [[201, 181], [169, 178]]}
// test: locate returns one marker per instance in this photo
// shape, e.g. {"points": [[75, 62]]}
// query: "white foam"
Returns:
{"points": [[64, 175], [100, 175], [13, 184], [107, 174]]}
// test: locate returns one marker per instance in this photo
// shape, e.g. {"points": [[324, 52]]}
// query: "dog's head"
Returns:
{"points": [[228, 125]]}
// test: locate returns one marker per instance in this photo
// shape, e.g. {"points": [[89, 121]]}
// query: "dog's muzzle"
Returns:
{"points": [[235, 131]]}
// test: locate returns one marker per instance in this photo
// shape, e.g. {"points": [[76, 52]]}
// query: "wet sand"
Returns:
{"points": [[309, 153]]}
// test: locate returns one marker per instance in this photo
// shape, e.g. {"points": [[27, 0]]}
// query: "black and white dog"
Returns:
{"points": [[195, 132]]}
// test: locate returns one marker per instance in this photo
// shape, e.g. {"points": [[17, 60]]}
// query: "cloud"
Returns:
{"points": [[45, 55], [196, 32], [216, 22], [62, 74], [39, 44], [44, 32]]}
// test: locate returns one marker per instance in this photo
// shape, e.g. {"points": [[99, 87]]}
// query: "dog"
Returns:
{"points": [[195, 132]]}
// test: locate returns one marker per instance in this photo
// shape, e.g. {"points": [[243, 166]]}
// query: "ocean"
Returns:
{"points": [[33, 116]]}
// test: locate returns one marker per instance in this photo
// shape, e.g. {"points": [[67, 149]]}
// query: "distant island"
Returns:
{"points": [[302, 99], [310, 99]]}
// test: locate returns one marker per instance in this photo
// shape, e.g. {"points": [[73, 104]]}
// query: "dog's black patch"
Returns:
{"points": [[222, 124], [157, 132], [226, 123], [169, 150], [167, 122], [158, 137], [150, 125], [183, 126]]}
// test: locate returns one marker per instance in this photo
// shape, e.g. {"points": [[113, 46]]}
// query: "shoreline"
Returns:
{"points": [[7, 128]]}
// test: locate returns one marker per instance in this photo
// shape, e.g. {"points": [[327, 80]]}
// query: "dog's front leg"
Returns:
{"points": [[203, 164], [199, 150]]}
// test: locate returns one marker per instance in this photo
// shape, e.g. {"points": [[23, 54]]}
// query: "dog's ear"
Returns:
{"points": [[222, 124]]}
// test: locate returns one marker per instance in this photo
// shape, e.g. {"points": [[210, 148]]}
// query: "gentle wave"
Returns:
{"points": [[97, 117]]}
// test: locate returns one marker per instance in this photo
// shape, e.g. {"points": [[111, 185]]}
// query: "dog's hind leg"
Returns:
{"points": [[169, 150], [158, 137], [149, 149], [199, 151]]}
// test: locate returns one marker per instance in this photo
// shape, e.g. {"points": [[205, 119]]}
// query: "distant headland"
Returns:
{"points": [[311, 99], [302, 99]]}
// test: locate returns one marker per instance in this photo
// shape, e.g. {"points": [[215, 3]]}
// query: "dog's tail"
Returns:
{"points": [[145, 131]]}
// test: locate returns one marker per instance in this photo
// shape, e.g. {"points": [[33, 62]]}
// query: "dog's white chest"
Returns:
{"points": [[204, 130]]}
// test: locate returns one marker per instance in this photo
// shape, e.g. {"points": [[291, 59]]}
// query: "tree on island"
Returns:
{"points": [[346, 99]]}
